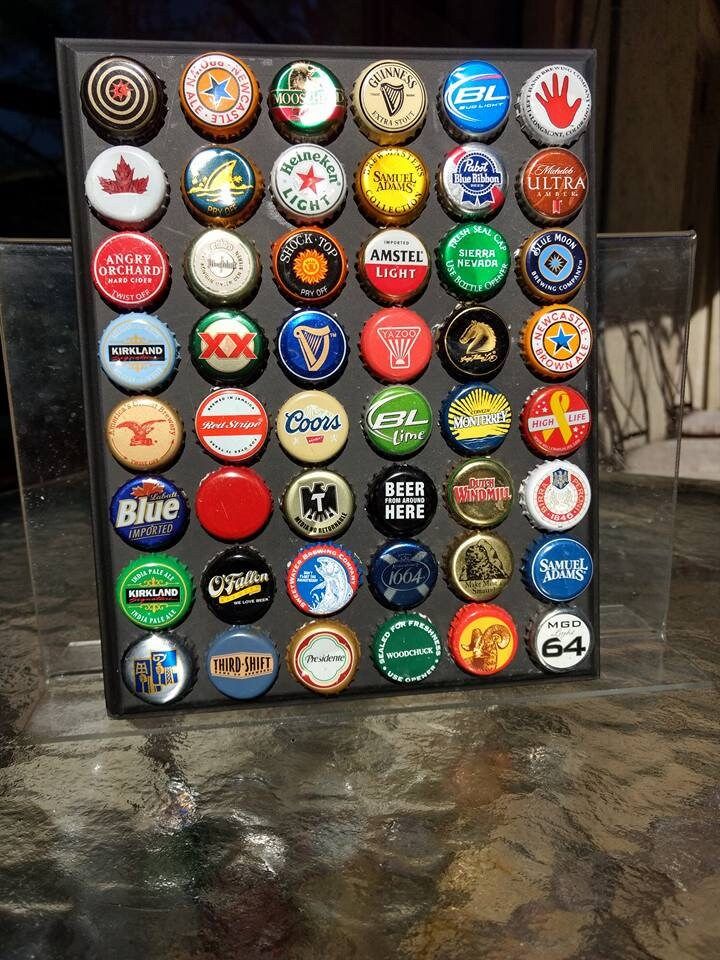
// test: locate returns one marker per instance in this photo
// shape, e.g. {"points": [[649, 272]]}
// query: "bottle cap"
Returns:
{"points": [[478, 566], [396, 344], [555, 342], [323, 656], [555, 495], [553, 106], [474, 101], [473, 261], [557, 568], [389, 102], [312, 347], [149, 513], [232, 425], [238, 585], [130, 270], [222, 268], [555, 421], [472, 182], [473, 343], [155, 592], [406, 647], [220, 186], [158, 668], [559, 640], [126, 188], [233, 503], [475, 418], [308, 184], [219, 95], [312, 426], [401, 500], [123, 101], [144, 433], [307, 102], [393, 266], [402, 573], [323, 578], [398, 421], [551, 265], [242, 662], [552, 185], [226, 346], [392, 186], [479, 492], [318, 504], [138, 352], [309, 266], [482, 639]]}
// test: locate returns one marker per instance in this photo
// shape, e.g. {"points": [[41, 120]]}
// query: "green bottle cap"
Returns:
{"points": [[473, 261], [398, 421], [226, 346], [406, 647], [155, 592], [307, 102]]}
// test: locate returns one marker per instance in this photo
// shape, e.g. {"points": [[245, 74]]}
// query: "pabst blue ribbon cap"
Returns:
{"points": [[472, 182]]}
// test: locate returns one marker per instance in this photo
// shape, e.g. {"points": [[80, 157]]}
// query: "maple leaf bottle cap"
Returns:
{"points": [[123, 101], [221, 187], [126, 188], [219, 96]]}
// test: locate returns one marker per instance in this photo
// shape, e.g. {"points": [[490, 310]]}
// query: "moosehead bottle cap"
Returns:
{"points": [[220, 186], [557, 568], [393, 266], [158, 668], [392, 186], [479, 492], [555, 342], [552, 185], [323, 578], [144, 433], [401, 500], [130, 270], [398, 421], [232, 425], [559, 640], [555, 495], [482, 639], [396, 344], [551, 265], [222, 268], [307, 102], [233, 503], [123, 101], [389, 102], [318, 504], [402, 573], [474, 101], [219, 95], [308, 184], [242, 662], [312, 347], [155, 592], [138, 352], [312, 426], [553, 106], [473, 261], [473, 343], [472, 182], [309, 266], [238, 585], [475, 418], [323, 656], [478, 566], [149, 513], [406, 647], [226, 346], [126, 188], [555, 421]]}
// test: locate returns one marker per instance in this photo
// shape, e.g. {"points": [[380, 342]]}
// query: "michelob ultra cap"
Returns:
{"points": [[312, 347], [130, 271], [398, 421], [389, 102], [308, 184], [478, 566], [226, 346], [482, 639], [475, 418], [551, 265], [144, 433], [402, 573], [559, 640], [138, 352], [126, 188], [158, 668], [222, 268], [238, 585], [472, 182], [479, 492], [323, 656], [149, 512], [396, 344], [232, 425], [323, 578], [312, 426], [555, 495], [473, 343], [123, 101], [318, 504], [393, 266], [222, 187], [473, 261], [553, 106], [555, 421], [309, 266], [401, 500], [557, 568], [307, 102], [392, 186], [406, 647], [219, 96], [552, 185], [155, 592], [555, 342], [474, 101], [242, 662]]}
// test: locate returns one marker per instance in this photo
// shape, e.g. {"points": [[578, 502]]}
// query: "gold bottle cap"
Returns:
{"points": [[389, 102], [478, 566], [479, 492], [318, 504], [144, 433], [392, 186], [323, 656]]}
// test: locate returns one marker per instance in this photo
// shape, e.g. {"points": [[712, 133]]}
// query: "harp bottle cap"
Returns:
{"points": [[242, 662], [307, 102], [222, 187], [389, 102], [393, 266], [158, 668], [396, 344], [318, 504], [312, 347], [474, 101], [219, 95], [309, 266], [222, 268], [482, 639]]}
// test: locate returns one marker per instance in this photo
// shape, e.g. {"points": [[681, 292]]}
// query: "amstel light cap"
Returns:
{"points": [[473, 261], [553, 106], [396, 344], [482, 639], [226, 346], [401, 500], [144, 433], [398, 421], [323, 656], [392, 185], [323, 578], [158, 668], [126, 188], [560, 640], [555, 421], [233, 503], [555, 342], [551, 265], [149, 512], [123, 101], [389, 102], [473, 343], [232, 425], [557, 568], [306, 101], [309, 266], [472, 182], [312, 347], [552, 185], [393, 266], [308, 184], [555, 495], [475, 418], [474, 101], [219, 95], [138, 352], [479, 492], [130, 270], [221, 186], [478, 566], [312, 426], [238, 585], [318, 504], [406, 647], [242, 662], [402, 573], [155, 592], [222, 268]]}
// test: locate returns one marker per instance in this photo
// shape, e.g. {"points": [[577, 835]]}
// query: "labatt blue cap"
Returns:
{"points": [[402, 573], [311, 346], [138, 352], [242, 662], [475, 417], [475, 101], [557, 568], [149, 513]]}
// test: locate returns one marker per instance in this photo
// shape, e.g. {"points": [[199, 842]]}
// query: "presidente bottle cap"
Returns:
{"points": [[323, 578], [478, 566], [482, 639], [312, 347], [222, 268], [472, 182], [238, 585], [555, 495], [406, 647], [144, 433], [130, 270], [398, 421], [149, 512], [155, 592], [158, 668], [226, 346], [318, 504], [474, 101], [552, 185], [555, 421], [389, 102], [555, 342], [396, 344], [233, 503], [309, 266], [551, 265], [222, 187], [312, 426], [402, 573], [323, 656], [219, 95], [479, 492], [391, 186], [401, 500], [475, 418], [308, 184], [138, 352], [559, 640], [307, 102], [553, 106], [473, 261], [123, 101], [473, 343], [242, 662], [557, 568], [232, 425], [126, 188], [393, 266]]}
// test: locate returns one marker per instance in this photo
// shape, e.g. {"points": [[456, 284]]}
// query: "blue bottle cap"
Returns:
{"points": [[475, 100], [138, 352], [242, 662], [552, 265], [557, 568], [323, 578], [402, 573], [311, 346], [149, 513], [475, 417], [221, 186]]}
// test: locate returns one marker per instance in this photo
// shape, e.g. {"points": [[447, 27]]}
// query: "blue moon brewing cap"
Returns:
{"points": [[475, 417], [474, 101], [557, 568], [138, 352], [149, 513], [311, 346], [402, 573], [242, 662]]}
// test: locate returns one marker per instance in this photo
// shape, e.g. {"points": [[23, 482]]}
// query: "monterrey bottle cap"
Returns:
{"points": [[242, 662], [482, 639], [312, 426], [393, 266], [226, 346], [396, 344], [557, 568], [144, 433], [308, 184], [551, 265], [155, 592], [309, 266], [158, 668], [138, 352], [219, 96], [555, 342], [221, 187], [131, 270], [473, 261], [222, 268], [401, 500], [322, 578], [149, 512], [553, 106], [478, 566], [479, 492], [238, 585], [233, 503], [406, 647], [555, 421], [402, 573], [318, 504], [552, 185], [323, 656], [389, 102], [555, 495], [232, 425], [560, 640], [306, 102], [473, 343], [126, 188], [474, 101], [472, 182], [398, 421], [123, 101], [475, 418], [312, 347], [392, 186]]}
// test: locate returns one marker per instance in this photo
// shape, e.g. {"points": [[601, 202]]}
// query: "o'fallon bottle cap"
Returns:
{"points": [[130, 270], [553, 106], [144, 433], [233, 503], [323, 656], [555, 421], [307, 102], [126, 188], [555, 342], [308, 184], [155, 592], [401, 500], [149, 512], [551, 265], [555, 495], [392, 186], [238, 585], [242, 662], [309, 266], [123, 101], [323, 578], [552, 185], [473, 261], [479, 492], [557, 568], [402, 573], [389, 102], [398, 421], [472, 182], [560, 640], [312, 347], [482, 639], [474, 101], [396, 344], [138, 352], [312, 426], [221, 186], [219, 95], [158, 668], [226, 346], [318, 504], [478, 566], [232, 425], [222, 268], [475, 418], [473, 343], [406, 647], [393, 266]]}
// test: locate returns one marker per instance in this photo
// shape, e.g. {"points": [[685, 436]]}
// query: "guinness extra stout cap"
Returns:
{"points": [[389, 102]]}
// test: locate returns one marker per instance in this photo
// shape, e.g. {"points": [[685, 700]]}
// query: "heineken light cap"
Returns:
{"points": [[158, 668], [406, 647], [389, 102], [306, 102], [308, 184]]}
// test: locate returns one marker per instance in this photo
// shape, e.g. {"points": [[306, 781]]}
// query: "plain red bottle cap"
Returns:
{"points": [[233, 503]]}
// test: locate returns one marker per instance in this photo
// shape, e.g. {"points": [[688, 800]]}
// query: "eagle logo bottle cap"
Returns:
{"points": [[144, 433]]}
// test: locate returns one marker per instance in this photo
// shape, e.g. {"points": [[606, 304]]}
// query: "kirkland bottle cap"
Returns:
{"points": [[472, 182], [233, 503], [396, 344], [312, 347], [149, 513], [242, 662], [555, 342], [391, 186], [221, 186], [473, 261], [126, 188], [555, 421], [402, 573], [473, 343], [401, 500], [312, 426], [479, 492], [309, 266], [158, 668], [307, 102], [308, 184], [552, 185], [318, 504], [551, 265], [398, 421], [323, 656], [482, 639], [138, 352], [232, 425], [553, 106], [389, 102], [478, 566], [238, 585], [219, 96], [144, 433], [474, 101], [557, 568], [559, 640], [393, 266], [155, 592], [406, 647], [555, 495], [322, 579], [130, 270], [475, 418], [227, 347], [222, 268], [123, 101]]}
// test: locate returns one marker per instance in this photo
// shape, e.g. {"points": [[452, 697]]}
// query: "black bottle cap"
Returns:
{"points": [[123, 101], [401, 500], [473, 343], [238, 585]]}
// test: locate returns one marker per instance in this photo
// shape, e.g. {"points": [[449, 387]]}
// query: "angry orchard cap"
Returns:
{"points": [[130, 271]]}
